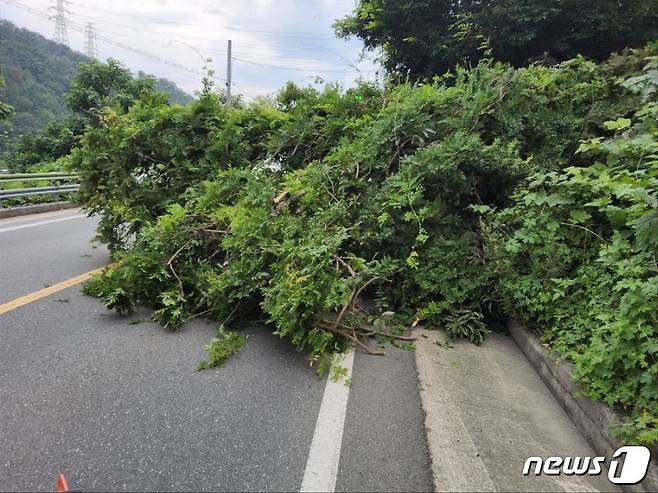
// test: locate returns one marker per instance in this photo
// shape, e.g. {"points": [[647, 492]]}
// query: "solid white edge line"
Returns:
{"points": [[40, 223], [324, 456], [38, 215]]}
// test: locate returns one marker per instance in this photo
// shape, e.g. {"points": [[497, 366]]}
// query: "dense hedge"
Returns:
{"points": [[492, 190]]}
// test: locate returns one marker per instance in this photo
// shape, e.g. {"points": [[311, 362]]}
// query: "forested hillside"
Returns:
{"points": [[37, 75], [176, 95]]}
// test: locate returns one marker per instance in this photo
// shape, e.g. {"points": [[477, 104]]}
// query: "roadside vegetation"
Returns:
{"points": [[451, 201], [488, 192]]}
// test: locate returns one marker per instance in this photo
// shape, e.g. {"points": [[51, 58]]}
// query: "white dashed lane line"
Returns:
{"points": [[324, 456]]}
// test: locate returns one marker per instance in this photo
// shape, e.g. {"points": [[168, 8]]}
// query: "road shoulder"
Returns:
{"points": [[487, 411], [384, 445]]}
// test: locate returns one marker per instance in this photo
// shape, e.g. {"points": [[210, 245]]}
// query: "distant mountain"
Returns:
{"points": [[37, 72], [176, 94]]}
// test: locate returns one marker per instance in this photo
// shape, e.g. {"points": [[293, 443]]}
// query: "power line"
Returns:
{"points": [[124, 46], [298, 34], [290, 61], [90, 30], [298, 69], [29, 9], [251, 50], [243, 91], [141, 28], [354, 69]]}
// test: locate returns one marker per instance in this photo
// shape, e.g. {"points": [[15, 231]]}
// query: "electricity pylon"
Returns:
{"points": [[90, 40], [61, 36]]}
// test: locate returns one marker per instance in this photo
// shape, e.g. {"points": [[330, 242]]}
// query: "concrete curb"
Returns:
{"points": [[592, 418], [35, 209]]}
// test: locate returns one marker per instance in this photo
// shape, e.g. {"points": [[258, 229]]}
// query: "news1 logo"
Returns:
{"points": [[629, 465]]}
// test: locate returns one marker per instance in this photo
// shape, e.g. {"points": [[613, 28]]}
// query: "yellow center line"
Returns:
{"points": [[42, 293]]}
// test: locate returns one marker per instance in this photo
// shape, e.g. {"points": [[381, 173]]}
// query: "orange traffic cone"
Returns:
{"points": [[60, 484]]}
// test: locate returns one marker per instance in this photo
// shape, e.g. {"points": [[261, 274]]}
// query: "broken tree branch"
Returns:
{"points": [[354, 340], [171, 267]]}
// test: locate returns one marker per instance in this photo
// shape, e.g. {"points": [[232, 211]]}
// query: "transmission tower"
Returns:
{"points": [[90, 40], [61, 36]]}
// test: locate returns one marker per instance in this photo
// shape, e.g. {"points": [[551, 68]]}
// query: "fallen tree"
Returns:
{"points": [[294, 211]]}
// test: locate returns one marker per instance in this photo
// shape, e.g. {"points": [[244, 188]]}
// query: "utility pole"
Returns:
{"points": [[61, 36], [90, 41], [228, 74]]}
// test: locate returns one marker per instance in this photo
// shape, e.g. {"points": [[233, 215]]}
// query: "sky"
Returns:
{"points": [[274, 41]]}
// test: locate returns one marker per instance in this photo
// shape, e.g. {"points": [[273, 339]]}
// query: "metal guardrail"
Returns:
{"points": [[70, 187]]}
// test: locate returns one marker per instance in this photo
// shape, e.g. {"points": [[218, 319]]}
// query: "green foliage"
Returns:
{"points": [[338, 374], [297, 210], [134, 166], [425, 38], [5, 109], [175, 94], [94, 88], [467, 324], [51, 142], [222, 347], [314, 122], [38, 74], [97, 86], [577, 254]]}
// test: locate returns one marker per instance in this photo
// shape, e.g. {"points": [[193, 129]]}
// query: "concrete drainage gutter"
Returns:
{"points": [[592, 418], [35, 209]]}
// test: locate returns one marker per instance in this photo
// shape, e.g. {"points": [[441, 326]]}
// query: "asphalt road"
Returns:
{"points": [[115, 402], [57, 248]]}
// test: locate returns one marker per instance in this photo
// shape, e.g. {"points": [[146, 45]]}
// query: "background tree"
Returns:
{"points": [[37, 73], [5, 109], [176, 95], [52, 141], [99, 85], [95, 87], [428, 37]]}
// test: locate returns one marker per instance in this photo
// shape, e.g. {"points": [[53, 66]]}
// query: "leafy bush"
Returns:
{"points": [[466, 324]]}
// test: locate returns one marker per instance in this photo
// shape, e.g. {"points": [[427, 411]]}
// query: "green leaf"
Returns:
{"points": [[618, 124], [579, 216]]}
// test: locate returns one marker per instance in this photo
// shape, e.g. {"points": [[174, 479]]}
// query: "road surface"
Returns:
{"points": [[115, 402]]}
